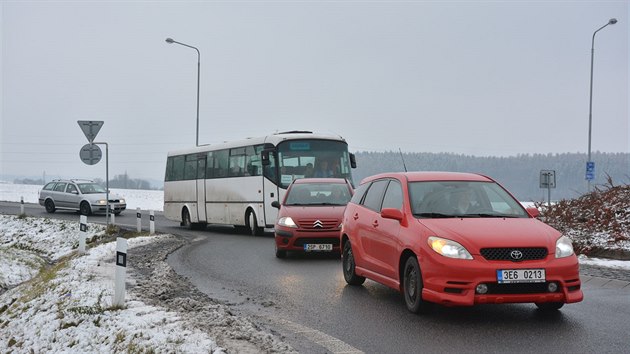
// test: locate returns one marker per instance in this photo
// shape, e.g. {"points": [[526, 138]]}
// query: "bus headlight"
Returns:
{"points": [[286, 221]]}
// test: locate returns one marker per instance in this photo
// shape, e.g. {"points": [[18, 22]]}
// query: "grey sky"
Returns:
{"points": [[473, 77]]}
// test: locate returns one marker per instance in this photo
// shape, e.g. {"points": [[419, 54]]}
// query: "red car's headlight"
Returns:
{"points": [[448, 248]]}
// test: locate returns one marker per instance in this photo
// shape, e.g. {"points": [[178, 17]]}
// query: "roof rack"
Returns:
{"points": [[296, 132]]}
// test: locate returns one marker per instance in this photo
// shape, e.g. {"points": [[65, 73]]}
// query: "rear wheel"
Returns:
{"points": [[50, 206], [412, 286], [186, 219], [349, 266], [85, 209], [549, 306], [252, 223]]}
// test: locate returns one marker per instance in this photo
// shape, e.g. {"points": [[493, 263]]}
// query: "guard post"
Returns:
{"points": [[138, 220], [21, 205], [82, 233], [121, 272], [151, 222]]}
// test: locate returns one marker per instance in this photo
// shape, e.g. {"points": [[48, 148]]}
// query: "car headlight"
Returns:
{"points": [[102, 202], [448, 248], [286, 221], [121, 201], [564, 247]]}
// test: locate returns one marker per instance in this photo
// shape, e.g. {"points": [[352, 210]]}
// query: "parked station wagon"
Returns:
{"points": [[84, 196]]}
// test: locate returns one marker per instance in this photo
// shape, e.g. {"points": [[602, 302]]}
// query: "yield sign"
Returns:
{"points": [[90, 128]]}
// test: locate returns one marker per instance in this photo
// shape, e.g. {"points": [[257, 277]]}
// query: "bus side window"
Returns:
{"points": [[190, 170], [221, 163], [209, 165], [178, 168]]}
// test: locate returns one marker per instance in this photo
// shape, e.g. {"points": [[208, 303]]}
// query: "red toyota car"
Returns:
{"points": [[309, 219], [455, 239]]}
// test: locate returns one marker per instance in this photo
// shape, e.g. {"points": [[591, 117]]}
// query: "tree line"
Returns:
{"points": [[119, 181], [519, 174]]}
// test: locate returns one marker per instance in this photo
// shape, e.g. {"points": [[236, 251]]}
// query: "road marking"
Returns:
{"points": [[329, 342]]}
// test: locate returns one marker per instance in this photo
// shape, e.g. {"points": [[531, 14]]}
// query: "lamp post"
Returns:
{"points": [[590, 166], [171, 41]]}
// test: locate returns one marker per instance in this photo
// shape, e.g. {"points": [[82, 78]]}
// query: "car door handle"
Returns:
{"points": [[375, 223], [356, 216]]}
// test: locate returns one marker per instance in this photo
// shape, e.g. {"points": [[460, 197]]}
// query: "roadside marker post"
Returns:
{"points": [[121, 271], [82, 233], [138, 220], [112, 217], [21, 205], [151, 222]]}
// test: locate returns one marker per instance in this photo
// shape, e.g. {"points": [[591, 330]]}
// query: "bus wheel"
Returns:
{"points": [[186, 219], [252, 223]]}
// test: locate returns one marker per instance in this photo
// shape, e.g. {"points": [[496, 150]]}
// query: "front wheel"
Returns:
{"points": [[412, 286], [349, 266], [85, 209], [50, 206], [252, 223], [280, 253]]}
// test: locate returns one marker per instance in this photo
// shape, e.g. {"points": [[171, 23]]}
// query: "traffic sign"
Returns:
{"points": [[547, 179], [590, 170], [90, 154], [90, 128]]}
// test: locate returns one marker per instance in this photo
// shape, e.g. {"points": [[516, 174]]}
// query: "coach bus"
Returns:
{"points": [[234, 183]]}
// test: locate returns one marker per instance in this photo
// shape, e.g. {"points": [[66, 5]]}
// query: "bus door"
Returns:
{"points": [[271, 191], [201, 188]]}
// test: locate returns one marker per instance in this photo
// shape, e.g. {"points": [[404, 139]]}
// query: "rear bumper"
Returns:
{"points": [[453, 282]]}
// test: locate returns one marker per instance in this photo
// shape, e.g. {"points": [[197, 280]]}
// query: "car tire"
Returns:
{"points": [[549, 306], [280, 253], [349, 266], [412, 286], [50, 206], [252, 224], [85, 209]]}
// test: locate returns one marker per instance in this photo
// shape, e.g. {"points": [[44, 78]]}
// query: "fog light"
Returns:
{"points": [[285, 241], [552, 287], [481, 289]]}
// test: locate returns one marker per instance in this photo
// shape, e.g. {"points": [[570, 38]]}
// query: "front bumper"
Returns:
{"points": [[452, 282], [294, 239], [115, 207]]}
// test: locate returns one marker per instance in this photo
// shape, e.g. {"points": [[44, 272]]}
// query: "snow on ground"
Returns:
{"points": [[54, 300]]}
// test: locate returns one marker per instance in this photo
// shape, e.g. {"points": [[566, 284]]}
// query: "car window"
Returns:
{"points": [[71, 188], [318, 194], [374, 196], [50, 186], [359, 193], [88, 188], [60, 187], [393, 196]]}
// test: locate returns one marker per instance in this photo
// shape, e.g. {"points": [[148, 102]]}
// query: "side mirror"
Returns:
{"points": [[275, 204], [353, 161], [533, 212], [391, 213]]}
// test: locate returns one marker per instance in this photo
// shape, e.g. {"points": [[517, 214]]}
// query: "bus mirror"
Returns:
{"points": [[264, 156], [275, 204], [353, 161]]}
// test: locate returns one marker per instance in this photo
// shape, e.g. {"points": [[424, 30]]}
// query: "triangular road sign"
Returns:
{"points": [[90, 128]]}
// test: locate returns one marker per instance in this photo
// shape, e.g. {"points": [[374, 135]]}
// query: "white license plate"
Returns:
{"points": [[508, 276], [318, 247]]}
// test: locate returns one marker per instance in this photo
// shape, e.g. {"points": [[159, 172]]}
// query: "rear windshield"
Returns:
{"points": [[318, 194]]}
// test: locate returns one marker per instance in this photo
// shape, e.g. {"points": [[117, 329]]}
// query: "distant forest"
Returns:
{"points": [[519, 174]]}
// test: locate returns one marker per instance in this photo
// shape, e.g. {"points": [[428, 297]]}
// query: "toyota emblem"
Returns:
{"points": [[516, 255]]}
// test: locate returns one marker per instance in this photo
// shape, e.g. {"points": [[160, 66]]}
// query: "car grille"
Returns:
{"points": [[318, 224], [313, 240], [519, 288], [505, 254]]}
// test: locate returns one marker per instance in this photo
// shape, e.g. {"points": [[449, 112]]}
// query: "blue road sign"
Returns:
{"points": [[590, 170]]}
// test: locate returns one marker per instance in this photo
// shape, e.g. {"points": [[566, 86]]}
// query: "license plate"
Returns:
{"points": [[318, 247], [509, 276]]}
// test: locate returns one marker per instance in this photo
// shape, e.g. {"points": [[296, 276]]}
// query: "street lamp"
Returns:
{"points": [[590, 166], [171, 41]]}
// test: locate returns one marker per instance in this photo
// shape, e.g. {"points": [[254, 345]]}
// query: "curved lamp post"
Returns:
{"points": [[612, 21], [171, 41]]}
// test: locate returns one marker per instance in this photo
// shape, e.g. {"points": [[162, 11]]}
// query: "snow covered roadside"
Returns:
{"points": [[66, 306]]}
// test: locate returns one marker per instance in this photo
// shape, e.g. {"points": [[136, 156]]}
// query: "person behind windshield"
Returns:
{"points": [[309, 171], [460, 201], [323, 170]]}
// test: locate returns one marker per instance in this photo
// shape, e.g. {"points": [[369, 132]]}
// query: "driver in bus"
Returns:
{"points": [[323, 170]]}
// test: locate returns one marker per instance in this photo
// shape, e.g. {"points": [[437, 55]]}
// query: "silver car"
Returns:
{"points": [[83, 196]]}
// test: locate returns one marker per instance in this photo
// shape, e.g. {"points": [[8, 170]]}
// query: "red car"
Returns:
{"points": [[309, 219], [455, 239]]}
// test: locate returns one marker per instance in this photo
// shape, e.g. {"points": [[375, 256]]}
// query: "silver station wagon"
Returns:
{"points": [[83, 196]]}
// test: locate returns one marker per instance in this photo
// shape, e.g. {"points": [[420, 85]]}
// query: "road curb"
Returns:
{"points": [[605, 283]]}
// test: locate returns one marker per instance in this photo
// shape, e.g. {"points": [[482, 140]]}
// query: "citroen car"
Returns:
{"points": [[455, 239], [309, 219], [84, 196]]}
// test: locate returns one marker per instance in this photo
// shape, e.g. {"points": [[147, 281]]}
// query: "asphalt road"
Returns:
{"points": [[305, 300]]}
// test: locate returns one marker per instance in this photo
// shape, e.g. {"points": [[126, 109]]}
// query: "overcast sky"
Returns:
{"points": [[472, 77]]}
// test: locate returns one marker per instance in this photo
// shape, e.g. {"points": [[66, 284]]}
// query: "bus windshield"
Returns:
{"points": [[312, 158]]}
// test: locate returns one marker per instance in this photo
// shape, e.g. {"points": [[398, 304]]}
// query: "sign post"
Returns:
{"points": [[548, 180], [91, 154]]}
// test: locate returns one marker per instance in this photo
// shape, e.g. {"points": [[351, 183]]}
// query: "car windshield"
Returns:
{"points": [[91, 188], [448, 199], [318, 194]]}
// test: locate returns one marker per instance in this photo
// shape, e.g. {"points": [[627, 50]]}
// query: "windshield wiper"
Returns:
{"points": [[434, 215], [487, 215]]}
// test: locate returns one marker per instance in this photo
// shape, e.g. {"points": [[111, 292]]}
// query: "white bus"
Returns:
{"points": [[234, 183]]}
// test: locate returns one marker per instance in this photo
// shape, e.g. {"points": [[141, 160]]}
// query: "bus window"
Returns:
{"points": [[253, 163], [209, 165], [178, 168], [221, 163], [190, 167], [169, 169], [201, 166], [269, 170]]}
